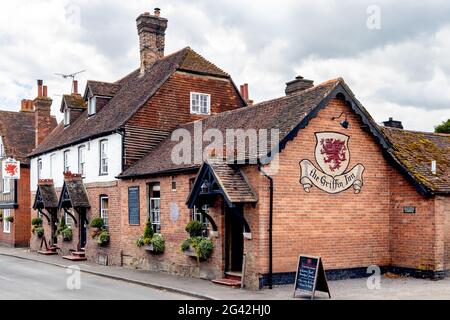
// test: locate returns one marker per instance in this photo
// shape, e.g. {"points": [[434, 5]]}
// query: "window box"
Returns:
{"points": [[190, 252]]}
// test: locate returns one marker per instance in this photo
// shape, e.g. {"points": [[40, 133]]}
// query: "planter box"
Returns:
{"points": [[190, 252], [148, 247]]}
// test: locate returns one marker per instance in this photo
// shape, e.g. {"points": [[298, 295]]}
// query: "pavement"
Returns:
{"points": [[391, 288]]}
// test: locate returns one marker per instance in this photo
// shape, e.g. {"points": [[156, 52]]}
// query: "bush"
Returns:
{"points": [[140, 242], [67, 234], [158, 243], [148, 231], [186, 244], [36, 222], [203, 246], [62, 225], [103, 238], [195, 228], [39, 231], [97, 223]]}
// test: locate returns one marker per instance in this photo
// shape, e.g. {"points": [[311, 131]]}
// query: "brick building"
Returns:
{"points": [[313, 173], [109, 128], [336, 185], [20, 132]]}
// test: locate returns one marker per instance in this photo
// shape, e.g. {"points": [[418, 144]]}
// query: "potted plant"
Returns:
{"points": [[9, 219], [197, 245], [151, 241], [39, 231], [36, 222], [103, 238], [96, 226], [67, 234]]}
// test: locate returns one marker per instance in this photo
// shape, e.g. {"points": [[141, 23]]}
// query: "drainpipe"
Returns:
{"points": [[270, 280]]}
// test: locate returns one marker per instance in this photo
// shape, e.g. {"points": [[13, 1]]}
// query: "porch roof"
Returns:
{"points": [[46, 196], [73, 191]]}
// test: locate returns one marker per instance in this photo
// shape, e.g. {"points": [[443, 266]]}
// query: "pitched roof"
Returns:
{"points": [[132, 92], [416, 150], [73, 101], [46, 196], [73, 184], [18, 134], [99, 88], [283, 114], [221, 178]]}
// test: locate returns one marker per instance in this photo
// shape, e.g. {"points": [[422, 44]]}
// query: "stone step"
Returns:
{"points": [[228, 282], [80, 254], [74, 258], [233, 275]]}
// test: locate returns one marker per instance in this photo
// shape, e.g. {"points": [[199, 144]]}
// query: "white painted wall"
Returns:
{"points": [[92, 171]]}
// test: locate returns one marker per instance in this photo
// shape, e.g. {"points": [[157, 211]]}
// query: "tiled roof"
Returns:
{"points": [[18, 134], [76, 190], [416, 150], [104, 89], [283, 114], [232, 182], [47, 191], [134, 90], [73, 101]]}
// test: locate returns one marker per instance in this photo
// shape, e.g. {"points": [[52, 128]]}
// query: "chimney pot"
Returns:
{"points": [[39, 84], [157, 12], [75, 86], [391, 123], [44, 91]]}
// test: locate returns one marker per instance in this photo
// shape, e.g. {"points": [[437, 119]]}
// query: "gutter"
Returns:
{"points": [[270, 280]]}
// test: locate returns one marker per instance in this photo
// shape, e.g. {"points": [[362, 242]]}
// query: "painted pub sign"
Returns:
{"points": [[10, 169], [332, 156]]}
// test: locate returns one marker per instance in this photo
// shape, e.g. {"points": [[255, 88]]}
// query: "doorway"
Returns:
{"points": [[234, 242], [83, 229]]}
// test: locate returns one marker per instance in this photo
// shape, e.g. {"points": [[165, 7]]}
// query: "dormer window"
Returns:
{"points": [[66, 117], [92, 108], [200, 103]]}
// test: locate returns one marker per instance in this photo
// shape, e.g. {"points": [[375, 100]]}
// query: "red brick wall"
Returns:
{"points": [[172, 260], [20, 228]]}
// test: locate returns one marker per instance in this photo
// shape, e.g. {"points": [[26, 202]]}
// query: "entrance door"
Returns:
{"points": [[83, 229], [234, 242]]}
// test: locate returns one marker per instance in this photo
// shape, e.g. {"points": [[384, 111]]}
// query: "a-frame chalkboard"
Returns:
{"points": [[310, 276]]}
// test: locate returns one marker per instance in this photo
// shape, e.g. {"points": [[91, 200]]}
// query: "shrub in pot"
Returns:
{"points": [[103, 238], [39, 231], [195, 228], [9, 219], [67, 234], [150, 240], [96, 225], [197, 245], [36, 222]]}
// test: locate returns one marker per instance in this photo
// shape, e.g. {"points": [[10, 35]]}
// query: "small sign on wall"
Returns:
{"points": [[10, 169], [409, 209]]}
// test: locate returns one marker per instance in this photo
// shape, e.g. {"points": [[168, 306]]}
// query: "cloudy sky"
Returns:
{"points": [[395, 55]]}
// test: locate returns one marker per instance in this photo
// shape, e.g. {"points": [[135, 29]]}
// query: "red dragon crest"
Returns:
{"points": [[11, 169], [334, 151]]}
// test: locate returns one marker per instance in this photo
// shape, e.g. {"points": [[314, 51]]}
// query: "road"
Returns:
{"points": [[29, 280]]}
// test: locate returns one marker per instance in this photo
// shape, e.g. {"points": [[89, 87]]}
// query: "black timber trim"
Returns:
{"points": [[9, 205], [62, 198]]}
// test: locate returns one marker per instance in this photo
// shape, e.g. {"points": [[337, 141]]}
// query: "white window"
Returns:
{"points": [[199, 216], [2, 150], [104, 207], [52, 162], [82, 160], [66, 117], [6, 224], [68, 219], [155, 207], [6, 185], [66, 161], [104, 157], [39, 169], [200, 103], [92, 102]]}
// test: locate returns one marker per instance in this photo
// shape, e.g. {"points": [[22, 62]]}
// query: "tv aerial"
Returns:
{"points": [[70, 75]]}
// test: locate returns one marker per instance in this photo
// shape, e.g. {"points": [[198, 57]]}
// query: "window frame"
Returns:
{"points": [[6, 224], [154, 214], [198, 216], [39, 168], [66, 164], [66, 119], [82, 165], [101, 158], [208, 104], [6, 185], [51, 164], [104, 213], [92, 103]]}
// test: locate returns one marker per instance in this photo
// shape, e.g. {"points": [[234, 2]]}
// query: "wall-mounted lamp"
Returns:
{"points": [[345, 123]]}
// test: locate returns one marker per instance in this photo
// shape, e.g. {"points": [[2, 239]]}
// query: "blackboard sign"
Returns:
{"points": [[133, 205], [310, 276]]}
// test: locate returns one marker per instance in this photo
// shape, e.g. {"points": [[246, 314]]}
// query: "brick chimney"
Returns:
{"points": [[245, 94], [42, 117], [393, 123], [151, 31], [297, 85], [75, 87], [26, 106]]}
